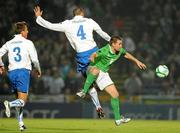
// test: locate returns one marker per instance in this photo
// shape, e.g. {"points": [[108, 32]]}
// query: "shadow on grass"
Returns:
{"points": [[62, 129], [5, 130]]}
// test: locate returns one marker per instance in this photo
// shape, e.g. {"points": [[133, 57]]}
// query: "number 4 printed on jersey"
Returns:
{"points": [[81, 33]]}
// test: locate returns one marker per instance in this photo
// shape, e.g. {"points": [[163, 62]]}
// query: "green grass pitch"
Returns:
{"points": [[89, 126]]}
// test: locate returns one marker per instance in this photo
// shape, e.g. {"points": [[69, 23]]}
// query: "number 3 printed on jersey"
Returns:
{"points": [[81, 33], [17, 50]]}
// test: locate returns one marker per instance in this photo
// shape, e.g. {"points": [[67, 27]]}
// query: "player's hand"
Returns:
{"points": [[1, 70], [38, 74], [92, 57], [141, 65], [38, 11]]}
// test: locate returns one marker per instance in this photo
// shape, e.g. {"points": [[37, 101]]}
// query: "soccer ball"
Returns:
{"points": [[162, 71]]}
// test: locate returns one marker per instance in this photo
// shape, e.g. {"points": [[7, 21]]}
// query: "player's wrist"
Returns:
{"points": [[1, 64]]}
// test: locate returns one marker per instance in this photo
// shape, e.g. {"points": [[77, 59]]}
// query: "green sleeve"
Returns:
{"points": [[123, 51]]}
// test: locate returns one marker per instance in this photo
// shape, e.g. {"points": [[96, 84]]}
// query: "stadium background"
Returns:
{"points": [[151, 32]]}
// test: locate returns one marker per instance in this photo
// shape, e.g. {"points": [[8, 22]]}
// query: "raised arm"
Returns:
{"points": [[98, 29], [132, 58], [46, 24]]}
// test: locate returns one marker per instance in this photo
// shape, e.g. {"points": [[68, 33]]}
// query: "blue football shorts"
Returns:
{"points": [[19, 80], [83, 60]]}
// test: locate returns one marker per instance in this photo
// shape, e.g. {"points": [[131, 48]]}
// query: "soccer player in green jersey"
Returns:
{"points": [[98, 71]]}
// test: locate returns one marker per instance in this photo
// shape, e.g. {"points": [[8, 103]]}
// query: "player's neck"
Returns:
{"points": [[114, 51], [24, 35]]}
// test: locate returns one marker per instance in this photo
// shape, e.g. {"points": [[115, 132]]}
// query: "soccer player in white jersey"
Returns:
{"points": [[21, 52], [79, 31]]}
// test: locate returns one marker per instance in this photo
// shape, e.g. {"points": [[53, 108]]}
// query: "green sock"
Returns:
{"points": [[89, 80], [115, 107]]}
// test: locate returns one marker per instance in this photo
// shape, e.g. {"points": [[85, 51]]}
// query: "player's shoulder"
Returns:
{"points": [[66, 21], [123, 50], [91, 20], [27, 41], [105, 48], [8, 42]]}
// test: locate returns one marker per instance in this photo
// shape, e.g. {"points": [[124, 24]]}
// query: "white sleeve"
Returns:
{"points": [[3, 50], [52, 26], [34, 57], [98, 29], [33, 53]]}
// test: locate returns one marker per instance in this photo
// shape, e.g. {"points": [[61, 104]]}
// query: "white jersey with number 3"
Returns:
{"points": [[78, 30], [20, 51]]}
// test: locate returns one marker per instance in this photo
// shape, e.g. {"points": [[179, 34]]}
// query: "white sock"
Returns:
{"points": [[20, 115], [94, 97], [16, 103]]}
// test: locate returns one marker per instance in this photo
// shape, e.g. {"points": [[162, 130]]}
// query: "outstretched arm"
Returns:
{"points": [[98, 29], [38, 12], [132, 58], [46, 24], [103, 34]]}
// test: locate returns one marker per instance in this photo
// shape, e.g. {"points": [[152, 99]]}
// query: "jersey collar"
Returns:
{"points": [[111, 50], [18, 35], [78, 16]]}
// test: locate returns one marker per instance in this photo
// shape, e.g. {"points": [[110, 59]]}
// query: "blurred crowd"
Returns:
{"points": [[150, 29]]}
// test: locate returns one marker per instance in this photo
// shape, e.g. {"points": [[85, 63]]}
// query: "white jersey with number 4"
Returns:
{"points": [[78, 30], [20, 51]]}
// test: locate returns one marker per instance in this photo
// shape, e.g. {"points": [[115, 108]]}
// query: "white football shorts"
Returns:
{"points": [[103, 80]]}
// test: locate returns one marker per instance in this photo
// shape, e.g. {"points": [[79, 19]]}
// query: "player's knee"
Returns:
{"points": [[94, 71], [92, 91], [22, 102], [115, 95]]}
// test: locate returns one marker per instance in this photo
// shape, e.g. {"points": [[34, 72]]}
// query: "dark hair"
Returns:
{"points": [[78, 10], [114, 39], [20, 26]]}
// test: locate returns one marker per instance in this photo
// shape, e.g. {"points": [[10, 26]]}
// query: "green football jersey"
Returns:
{"points": [[106, 57]]}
